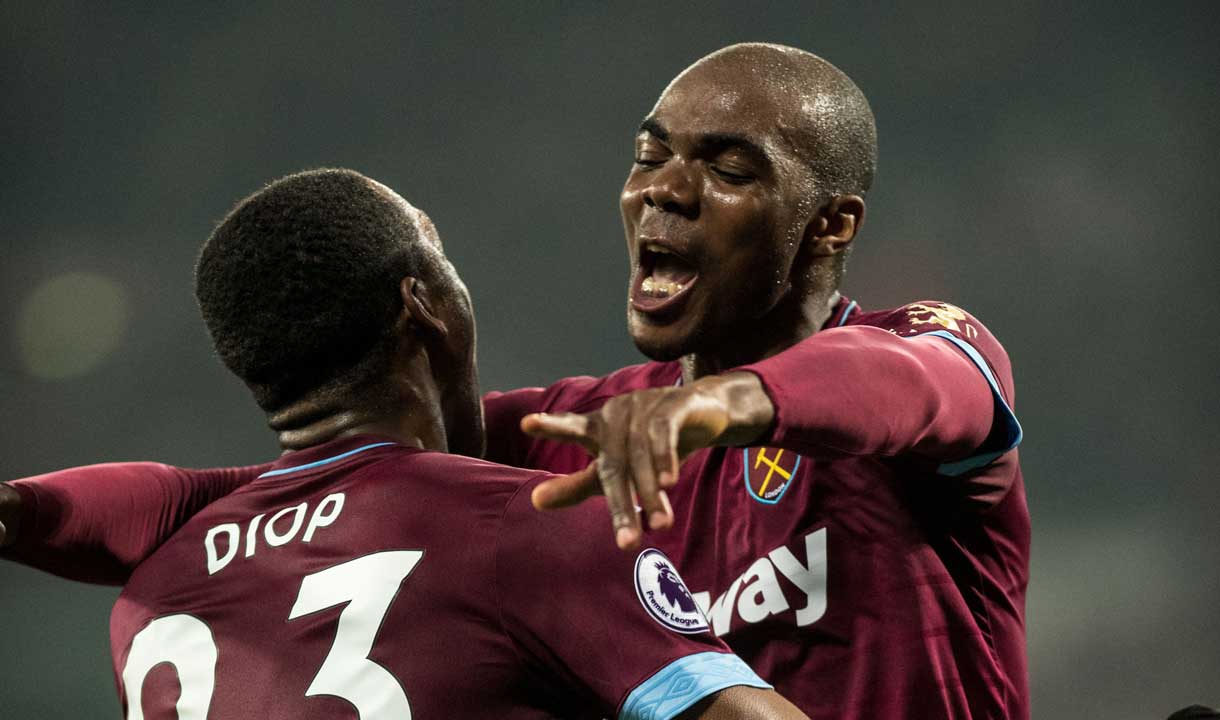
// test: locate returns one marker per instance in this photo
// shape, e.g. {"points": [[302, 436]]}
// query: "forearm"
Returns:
{"points": [[865, 391], [96, 523]]}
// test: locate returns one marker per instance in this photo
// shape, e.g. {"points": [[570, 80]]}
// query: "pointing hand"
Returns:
{"points": [[639, 440]]}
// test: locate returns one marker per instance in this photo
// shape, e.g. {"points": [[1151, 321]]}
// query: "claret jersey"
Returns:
{"points": [[870, 557], [364, 579]]}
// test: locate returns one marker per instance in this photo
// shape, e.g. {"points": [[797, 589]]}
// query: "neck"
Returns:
{"points": [[783, 327], [408, 415]]}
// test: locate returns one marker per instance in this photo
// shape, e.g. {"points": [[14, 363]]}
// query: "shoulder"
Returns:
{"points": [[937, 318], [922, 316], [458, 474], [582, 393], [571, 539]]}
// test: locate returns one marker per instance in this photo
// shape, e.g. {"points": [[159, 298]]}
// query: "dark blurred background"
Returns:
{"points": [[1049, 166]]}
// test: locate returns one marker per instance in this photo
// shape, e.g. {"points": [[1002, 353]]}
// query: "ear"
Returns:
{"points": [[834, 227], [417, 307]]}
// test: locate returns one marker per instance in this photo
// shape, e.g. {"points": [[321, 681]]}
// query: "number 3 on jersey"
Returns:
{"points": [[368, 584]]}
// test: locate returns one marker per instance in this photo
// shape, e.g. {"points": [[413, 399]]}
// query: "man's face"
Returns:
{"points": [[714, 210]]}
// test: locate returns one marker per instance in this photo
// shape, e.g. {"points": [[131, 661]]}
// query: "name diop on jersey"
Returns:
{"points": [[757, 594], [280, 530]]}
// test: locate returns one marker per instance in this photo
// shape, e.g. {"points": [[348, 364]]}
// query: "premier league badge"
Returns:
{"points": [[769, 472], [664, 595]]}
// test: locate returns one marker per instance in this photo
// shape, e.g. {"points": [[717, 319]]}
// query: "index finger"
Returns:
{"points": [[564, 427]]}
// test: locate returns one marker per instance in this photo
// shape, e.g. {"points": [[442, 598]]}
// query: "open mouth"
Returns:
{"points": [[662, 280]]}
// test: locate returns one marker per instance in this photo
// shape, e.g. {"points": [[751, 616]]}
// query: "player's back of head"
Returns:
{"points": [[299, 284]]}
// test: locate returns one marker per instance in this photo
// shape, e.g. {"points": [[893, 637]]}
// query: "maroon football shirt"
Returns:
{"points": [[364, 579], [870, 558]]}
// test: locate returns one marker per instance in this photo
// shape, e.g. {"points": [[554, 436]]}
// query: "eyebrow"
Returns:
{"points": [[717, 141], [653, 127]]}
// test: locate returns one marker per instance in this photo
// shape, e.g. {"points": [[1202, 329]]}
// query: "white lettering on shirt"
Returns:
{"points": [[763, 595], [277, 532]]}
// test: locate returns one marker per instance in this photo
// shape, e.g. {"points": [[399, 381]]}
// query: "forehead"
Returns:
{"points": [[709, 103], [736, 105]]}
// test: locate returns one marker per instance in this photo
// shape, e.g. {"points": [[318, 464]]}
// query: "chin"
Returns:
{"points": [[661, 344]]}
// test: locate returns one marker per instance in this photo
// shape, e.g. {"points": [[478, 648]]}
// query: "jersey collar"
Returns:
{"points": [[329, 455], [841, 313]]}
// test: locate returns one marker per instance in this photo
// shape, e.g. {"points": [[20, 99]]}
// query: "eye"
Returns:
{"points": [[732, 176], [650, 153]]}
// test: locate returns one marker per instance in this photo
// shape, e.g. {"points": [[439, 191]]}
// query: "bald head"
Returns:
{"points": [[818, 111]]}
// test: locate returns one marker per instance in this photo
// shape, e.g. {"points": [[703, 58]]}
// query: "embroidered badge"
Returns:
{"points": [[768, 472], [664, 595], [942, 314]]}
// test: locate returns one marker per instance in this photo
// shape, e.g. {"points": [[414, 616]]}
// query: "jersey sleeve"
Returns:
{"points": [[96, 523], [926, 379], [502, 413], [617, 631]]}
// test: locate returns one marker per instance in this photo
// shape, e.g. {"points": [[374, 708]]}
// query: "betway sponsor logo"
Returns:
{"points": [[757, 593]]}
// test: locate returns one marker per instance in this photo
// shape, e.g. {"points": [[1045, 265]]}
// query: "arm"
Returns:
{"points": [[96, 523], [856, 390], [866, 391], [739, 702], [502, 413]]}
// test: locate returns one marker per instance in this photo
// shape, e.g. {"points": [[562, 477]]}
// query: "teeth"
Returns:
{"points": [[660, 288], [653, 247]]}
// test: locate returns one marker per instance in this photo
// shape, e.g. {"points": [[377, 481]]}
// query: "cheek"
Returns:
{"points": [[755, 260], [749, 238], [630, 200], [746, 216]]}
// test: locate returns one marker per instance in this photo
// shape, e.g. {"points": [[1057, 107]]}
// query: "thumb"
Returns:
{"points": [[566, 490]]}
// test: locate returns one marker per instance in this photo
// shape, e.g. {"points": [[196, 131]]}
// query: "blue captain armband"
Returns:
{"points": [[686, 681], [1011, 428]]}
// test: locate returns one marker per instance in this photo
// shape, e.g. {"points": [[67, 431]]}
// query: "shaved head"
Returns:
{"points": [[821, 114], [743, 202]]}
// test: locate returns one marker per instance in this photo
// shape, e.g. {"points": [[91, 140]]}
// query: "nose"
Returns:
{"points": [[671, 188]]}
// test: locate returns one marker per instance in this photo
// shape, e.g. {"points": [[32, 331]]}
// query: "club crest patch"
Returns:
{"points": [[943, 314], [768, 472], [664, 595]]}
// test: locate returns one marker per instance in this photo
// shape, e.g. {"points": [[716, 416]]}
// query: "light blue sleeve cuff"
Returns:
{"points": [[1004, 414], [686, 681]]}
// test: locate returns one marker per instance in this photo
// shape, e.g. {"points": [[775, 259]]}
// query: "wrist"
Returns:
{"points": [[10, 514], [745, 400]]}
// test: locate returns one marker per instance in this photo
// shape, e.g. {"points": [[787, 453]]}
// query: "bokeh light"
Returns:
{"points": [[70, 324]]}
